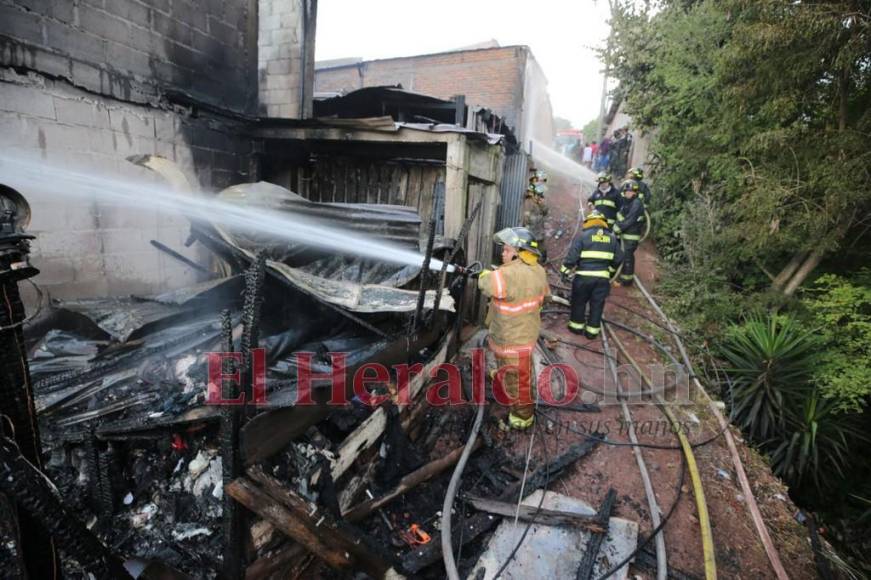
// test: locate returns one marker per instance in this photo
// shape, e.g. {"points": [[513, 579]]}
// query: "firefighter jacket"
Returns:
{"points": [[517, 292], [630, 219], [607, 203], [595, 253]]}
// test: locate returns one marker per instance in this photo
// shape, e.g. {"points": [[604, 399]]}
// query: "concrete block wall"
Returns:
{"points": [[286, 57], [88, 247], [86, 83], [137, 50], [492, 78]]}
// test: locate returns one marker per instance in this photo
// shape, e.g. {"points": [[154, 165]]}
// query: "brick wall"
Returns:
{"points": [[286, 57], [87, 83], [490, 78]]}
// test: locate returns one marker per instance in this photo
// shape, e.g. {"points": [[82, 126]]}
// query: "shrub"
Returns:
{"points": [[768, 363]]}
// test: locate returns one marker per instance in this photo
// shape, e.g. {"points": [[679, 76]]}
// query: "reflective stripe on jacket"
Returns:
{"points": [[517, 292], [607, 203], [630, 219], [595, 253]]}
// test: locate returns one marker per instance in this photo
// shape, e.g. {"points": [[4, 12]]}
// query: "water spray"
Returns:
{"points": [[36, 176]]}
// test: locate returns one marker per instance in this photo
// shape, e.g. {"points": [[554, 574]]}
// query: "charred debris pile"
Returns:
{"points": [[145, 477]]}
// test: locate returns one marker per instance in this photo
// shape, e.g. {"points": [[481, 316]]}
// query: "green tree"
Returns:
{"points": [[761, 109], [591, 130]]}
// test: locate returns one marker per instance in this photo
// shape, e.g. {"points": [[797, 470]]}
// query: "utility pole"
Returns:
{"points": [[601, 131]]}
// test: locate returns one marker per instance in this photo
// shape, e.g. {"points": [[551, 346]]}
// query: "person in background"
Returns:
{"points": [[595, 147], [630, 227], [606, 198], [604, 154], [620, 152], [587, 159], [594, 256], [535, 210], [517, 290]]}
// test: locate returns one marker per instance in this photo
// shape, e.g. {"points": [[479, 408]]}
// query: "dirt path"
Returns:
{"points": [[739, 552]]}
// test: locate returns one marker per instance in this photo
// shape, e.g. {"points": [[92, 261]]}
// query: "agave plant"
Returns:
{"points": [[769, 364], [815, 447]]}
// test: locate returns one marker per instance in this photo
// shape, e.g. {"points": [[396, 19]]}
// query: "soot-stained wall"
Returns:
{"points": [[87, 83]]}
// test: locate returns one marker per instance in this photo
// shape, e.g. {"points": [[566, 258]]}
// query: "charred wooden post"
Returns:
{"points": [[37, 497], [585, 570], [424, 270], [17, 412], [230, 460], [234, 515]]}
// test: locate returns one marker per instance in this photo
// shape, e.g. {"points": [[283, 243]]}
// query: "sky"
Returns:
{"points": [[561, 33]]}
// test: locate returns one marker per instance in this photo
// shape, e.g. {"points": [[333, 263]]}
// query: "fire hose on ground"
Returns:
{"points": [[755, 514]]}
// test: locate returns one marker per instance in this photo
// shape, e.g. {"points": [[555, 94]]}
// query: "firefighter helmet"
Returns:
{"points": [[636, 173], [520, 238], [595, 215], [630, 184], [603, 177]]}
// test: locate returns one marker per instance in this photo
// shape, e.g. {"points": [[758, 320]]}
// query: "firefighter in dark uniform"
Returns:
{"points": [[630, 227], [606, 198], [594, 256], [636, 174]]}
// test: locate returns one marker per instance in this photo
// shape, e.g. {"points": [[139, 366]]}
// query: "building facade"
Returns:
{"points": [[87, 84], [507, 80]]}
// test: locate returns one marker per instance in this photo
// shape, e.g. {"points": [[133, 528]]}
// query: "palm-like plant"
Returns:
{"points": [[768, 366], [815, 447]]}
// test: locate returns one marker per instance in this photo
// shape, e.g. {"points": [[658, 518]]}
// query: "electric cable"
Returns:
{"points": [[537, 509], [39, 297]]}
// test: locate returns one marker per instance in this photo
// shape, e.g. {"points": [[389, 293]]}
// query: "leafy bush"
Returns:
{"points": [[840, 311], [769, 367]]}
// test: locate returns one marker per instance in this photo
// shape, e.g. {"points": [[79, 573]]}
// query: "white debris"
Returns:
{"points": [[128, 499], [693, 417], [142, 517], [198, 465], [178, 466], [209, 479], [182, 367], [218, 492], [186, 531]]}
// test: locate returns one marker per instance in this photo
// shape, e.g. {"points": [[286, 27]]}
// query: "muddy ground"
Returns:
{"points": [[739, 552]]}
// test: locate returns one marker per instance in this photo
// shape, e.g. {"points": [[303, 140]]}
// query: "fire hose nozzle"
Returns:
{"points": [[472, 269]]}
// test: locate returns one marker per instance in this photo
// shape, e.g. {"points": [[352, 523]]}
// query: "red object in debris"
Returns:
{"points": [[415, 536], [178, 443]]}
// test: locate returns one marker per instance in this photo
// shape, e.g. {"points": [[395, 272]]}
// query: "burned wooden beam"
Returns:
{"points": [[335, 542], [276, 560], [34, 495], [288, 521], [270, 432], [531, 513], [420, 558], [585, 570], [407, 483]]}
